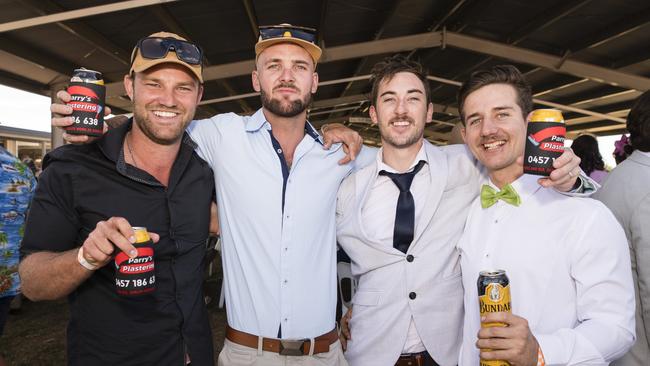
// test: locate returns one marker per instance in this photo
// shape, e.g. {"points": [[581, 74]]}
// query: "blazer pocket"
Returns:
{"points": [[367, 298]]}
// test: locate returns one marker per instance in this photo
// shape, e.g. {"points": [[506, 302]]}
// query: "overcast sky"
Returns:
{"points": [[24, 110]]}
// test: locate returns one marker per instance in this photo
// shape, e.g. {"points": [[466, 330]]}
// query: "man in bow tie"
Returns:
{"points": [[566, 257], [399, 220]]}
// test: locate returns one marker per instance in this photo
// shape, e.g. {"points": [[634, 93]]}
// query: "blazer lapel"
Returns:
{"points": [[438, 171]]}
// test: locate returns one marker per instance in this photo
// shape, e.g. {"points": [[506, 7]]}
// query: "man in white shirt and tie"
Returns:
{"points": [[566, 257], [399, 219]]}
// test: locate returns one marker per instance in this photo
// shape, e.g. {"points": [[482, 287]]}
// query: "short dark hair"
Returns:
{"points": [[500, 74], [586, 148], [389, 66], [638, 123]]}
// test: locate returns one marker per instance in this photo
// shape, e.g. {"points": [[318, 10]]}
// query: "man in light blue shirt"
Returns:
{"points": [[276, 191]]}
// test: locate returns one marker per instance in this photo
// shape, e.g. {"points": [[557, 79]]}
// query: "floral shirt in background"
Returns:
{"points": [[17, 186]]}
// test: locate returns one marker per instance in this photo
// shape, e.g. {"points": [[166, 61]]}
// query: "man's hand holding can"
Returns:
{"points": [[61, 118]]}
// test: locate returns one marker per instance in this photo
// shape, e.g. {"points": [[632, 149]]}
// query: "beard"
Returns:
{"points": [[402, 141], [284, 108], [157, 134]]}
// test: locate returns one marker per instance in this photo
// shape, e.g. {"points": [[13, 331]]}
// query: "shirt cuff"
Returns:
{"points": [[584, 187], [552, 347]]}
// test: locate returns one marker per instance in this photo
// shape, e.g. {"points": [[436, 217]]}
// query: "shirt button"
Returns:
{"points": [[286, 249], [286, 320], [487, 256], [409, 258], [279, 151], [412, 296], [288, 216], [286, 281]]}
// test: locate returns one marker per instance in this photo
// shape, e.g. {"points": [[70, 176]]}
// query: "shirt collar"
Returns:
{"points": [[526, 186], [422, 155], [255, 123], [112, 143]]}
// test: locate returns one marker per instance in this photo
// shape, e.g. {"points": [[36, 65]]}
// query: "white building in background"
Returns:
{"points": [[23, 142]]}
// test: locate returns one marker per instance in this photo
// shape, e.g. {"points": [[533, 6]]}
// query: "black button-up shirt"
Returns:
{"points": [[82, 185]]}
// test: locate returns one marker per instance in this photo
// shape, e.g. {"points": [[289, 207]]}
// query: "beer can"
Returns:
{"points": [[493, 297], [544, 142], [88, 94], [136, 276]]}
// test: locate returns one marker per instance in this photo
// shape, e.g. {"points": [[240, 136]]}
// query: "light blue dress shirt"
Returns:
{"points": [[279, 267]]}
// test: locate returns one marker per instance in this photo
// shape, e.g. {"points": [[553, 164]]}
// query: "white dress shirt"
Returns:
{"points": [[279, 265], [568, 264], [378, 217]]}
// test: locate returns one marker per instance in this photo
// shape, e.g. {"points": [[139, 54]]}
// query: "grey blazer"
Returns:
{"points": [[382, 306], [626, 191]]}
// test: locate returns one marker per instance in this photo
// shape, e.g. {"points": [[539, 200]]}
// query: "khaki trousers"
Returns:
{"points": [[234, 354]]}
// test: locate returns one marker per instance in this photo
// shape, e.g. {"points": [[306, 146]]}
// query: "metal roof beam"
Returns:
{"points": [[434, 39], [252, 18], [34, 55], [79, 13], [611, 32], [324, 6], [587, 119], [15, 81], [83, 31], [168, 20], [555, 63], [540, 23]]}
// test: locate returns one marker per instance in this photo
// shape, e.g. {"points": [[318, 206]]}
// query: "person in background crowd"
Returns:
{"points": [[17, 186], [566, 257], [591, 162], [29, 162], [626, 192], [622, 149]]}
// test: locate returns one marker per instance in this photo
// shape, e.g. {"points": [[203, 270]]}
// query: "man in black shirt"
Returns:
{"points": [[144, 173]]}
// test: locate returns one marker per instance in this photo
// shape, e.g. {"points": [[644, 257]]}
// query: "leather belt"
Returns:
{"points": [[416, 359], [298, 347]]}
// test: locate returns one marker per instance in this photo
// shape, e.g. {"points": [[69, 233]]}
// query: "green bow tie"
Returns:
{"points": [[490, 196]]}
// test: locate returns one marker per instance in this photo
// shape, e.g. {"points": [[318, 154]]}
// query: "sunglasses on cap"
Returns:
{"points": [[279, 31], [158, 47]]}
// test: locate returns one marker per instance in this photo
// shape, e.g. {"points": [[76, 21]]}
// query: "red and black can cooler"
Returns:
{"points": [[136, 276], [544, 141], [88, 94]]}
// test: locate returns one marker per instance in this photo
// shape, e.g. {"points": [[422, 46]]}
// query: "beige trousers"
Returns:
{"points": [[234, 354]]}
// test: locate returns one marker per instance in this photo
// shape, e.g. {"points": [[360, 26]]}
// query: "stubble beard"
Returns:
{"points": [[402, 142], [148, 129], [286, 109]]}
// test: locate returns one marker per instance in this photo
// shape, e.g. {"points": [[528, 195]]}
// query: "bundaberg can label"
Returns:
{"points": [[136, 276], [493, 297], [544, 142], [87, 99]]}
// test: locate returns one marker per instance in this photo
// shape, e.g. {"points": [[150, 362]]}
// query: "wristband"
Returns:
{"points": [[84, 263]]}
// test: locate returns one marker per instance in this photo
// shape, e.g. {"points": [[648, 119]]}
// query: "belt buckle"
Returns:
{"points": [[291, 347]]}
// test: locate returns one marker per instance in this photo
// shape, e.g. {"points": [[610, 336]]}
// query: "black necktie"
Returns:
{"points": [[405, 214]]}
